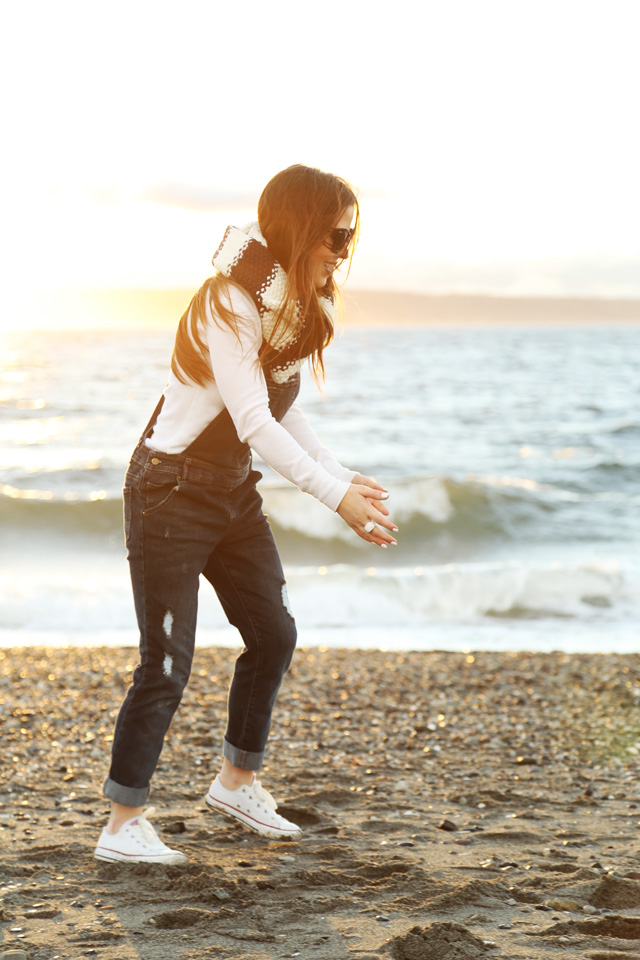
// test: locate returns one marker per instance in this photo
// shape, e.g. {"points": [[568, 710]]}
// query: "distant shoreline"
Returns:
{"points": [[144, 308], [370, 307]]}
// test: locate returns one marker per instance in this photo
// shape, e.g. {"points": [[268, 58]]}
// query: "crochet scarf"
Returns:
{"points": [[244, 257]]}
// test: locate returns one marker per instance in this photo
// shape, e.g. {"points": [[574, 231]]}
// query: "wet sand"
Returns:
{"points": [[454, 807]]}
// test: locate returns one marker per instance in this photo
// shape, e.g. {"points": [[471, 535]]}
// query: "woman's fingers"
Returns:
{"points": [[362, 508], [372, 493], [378, 523], [380, 520], [369, 482], [377, 534]]}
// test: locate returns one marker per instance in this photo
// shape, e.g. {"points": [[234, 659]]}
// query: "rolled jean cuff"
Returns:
{"points": [[242, 758], [127, 796]]}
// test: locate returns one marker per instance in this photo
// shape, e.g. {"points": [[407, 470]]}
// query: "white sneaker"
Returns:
{"points": [[254, 806], [136, 842]]}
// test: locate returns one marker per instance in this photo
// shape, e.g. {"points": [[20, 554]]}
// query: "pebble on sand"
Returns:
{"points": [[448, 825], [348, 725]]}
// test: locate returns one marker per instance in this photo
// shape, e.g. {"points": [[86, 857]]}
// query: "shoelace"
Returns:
{"points": [[146, 828], [264, 795]]}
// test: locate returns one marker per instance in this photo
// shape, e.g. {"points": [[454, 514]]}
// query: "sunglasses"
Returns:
{"points": [[339, 239]]}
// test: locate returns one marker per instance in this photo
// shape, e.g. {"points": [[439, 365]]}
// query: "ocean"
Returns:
{"points": [[511, 453]]}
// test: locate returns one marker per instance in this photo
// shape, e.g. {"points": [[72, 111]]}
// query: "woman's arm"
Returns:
{"points": [[303, 433], [242, 387], [243, 390]]}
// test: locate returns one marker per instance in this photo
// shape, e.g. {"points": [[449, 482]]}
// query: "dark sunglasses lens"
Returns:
{"points": [[339, 239]]}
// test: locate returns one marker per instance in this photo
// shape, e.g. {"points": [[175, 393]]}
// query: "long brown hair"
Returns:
{"points": [[296, 211]]}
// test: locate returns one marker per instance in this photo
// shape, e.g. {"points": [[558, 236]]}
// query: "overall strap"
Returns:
{"points": [[219, 442], [148, 430]]}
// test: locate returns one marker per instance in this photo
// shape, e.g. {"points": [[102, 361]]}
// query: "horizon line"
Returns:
{"points": [[377, 291]]}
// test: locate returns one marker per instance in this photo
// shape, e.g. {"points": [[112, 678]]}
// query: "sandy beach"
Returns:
{"points": [[455, 806]]}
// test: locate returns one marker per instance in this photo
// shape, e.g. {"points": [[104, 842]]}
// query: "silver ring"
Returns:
{"points": [[368, 527]]}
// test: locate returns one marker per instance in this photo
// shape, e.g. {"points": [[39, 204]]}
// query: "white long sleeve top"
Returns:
{"points": [[290, 447]]}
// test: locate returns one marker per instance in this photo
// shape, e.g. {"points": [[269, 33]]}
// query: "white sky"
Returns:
{"points": [[494, 142]]}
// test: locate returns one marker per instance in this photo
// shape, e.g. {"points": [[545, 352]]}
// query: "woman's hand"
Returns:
{"points": [[361, 504], [370, 482]]}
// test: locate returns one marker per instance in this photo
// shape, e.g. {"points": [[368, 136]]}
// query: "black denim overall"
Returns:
{"points": [[198, 512]]}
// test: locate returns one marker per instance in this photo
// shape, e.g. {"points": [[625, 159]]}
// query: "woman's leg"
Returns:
{"points": [[168, 545], [164, 575], [170, 533], [246, 572], [247, 575]]}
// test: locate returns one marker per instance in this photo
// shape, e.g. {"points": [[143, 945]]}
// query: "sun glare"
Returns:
{"points": [[83, 309], [478, 170]]}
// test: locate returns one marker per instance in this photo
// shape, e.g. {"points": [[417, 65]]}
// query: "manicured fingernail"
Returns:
{"points": [[383, 545], [394, 543], [395, 529], [385, 496]]}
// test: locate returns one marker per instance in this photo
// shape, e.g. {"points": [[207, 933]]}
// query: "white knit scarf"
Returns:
{"points": [[244, 257]]}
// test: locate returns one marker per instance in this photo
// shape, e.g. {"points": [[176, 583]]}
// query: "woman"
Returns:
{"points": [[191, 504]]}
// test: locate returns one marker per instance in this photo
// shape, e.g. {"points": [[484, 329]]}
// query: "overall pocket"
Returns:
{"points": [[156, 495]]}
